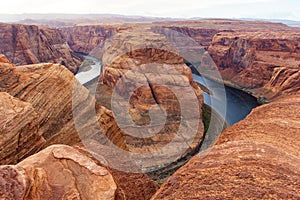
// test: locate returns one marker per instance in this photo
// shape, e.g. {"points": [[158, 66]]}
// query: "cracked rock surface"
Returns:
{"points": [[57, 172]]}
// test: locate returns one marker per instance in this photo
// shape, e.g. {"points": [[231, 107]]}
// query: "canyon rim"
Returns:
{"points": [[111, 106]]}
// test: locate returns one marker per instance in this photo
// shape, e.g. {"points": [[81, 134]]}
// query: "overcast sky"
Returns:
{"points": [[276, 9]]}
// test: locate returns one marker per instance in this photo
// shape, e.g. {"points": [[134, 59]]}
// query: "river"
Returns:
{"points": [[95, 69], [232, 104], [238, 103]]}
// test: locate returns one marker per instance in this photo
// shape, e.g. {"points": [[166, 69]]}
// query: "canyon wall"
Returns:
{"points": [[47, 93], [256, 158], [249, 58], [29, 44], [88, 39], [263, 63]]}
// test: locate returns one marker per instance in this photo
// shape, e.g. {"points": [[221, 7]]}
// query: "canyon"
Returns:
{"points": [[49, 121], [239, 49]]}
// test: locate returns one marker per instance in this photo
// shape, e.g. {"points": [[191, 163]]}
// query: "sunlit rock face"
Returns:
{"points": [[19, 129], [129, 185]]}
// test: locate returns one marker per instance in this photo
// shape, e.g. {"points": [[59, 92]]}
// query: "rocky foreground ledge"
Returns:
{"points": [[35, 112], [258, 158]]}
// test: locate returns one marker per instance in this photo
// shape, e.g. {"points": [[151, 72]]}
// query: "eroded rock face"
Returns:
{"points": [[47, 87], [86, 38], [57, 172], [24, 132], [142, 72], [29, 44], [264, 63], [19, 128], [48, 90], [256, 158], [129, 185]]}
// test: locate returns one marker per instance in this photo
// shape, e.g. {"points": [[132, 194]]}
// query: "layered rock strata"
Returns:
{"points": [[263, 63], [258, 158], [29, 44], [88, 39], [48, 90], [152, 95], [129, 185], [19, 129]]}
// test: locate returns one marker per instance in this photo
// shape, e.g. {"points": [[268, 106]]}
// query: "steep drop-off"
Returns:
{"points": [[263, 63], [37, 104], [29, 44], [88, 39], [48, 90], [257, 158]]}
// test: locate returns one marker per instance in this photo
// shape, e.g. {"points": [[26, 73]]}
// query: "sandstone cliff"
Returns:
{"points": [[29, 44], [135, 186], [257, 158], [249, 58], [263, 63], [87, 38]]}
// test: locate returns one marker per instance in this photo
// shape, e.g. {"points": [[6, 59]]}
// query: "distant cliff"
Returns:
{"points": [[86, 38], [29, 44], [266, 64]]}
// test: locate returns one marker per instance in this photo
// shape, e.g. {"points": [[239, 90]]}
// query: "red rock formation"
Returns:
{"points": [[248, 57], [136, 186], [28, 44], [19, 128], [86, 38], [57, 172], [263, 63], [257, 158], [144, 63], [275, 124], [48, 89]]}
